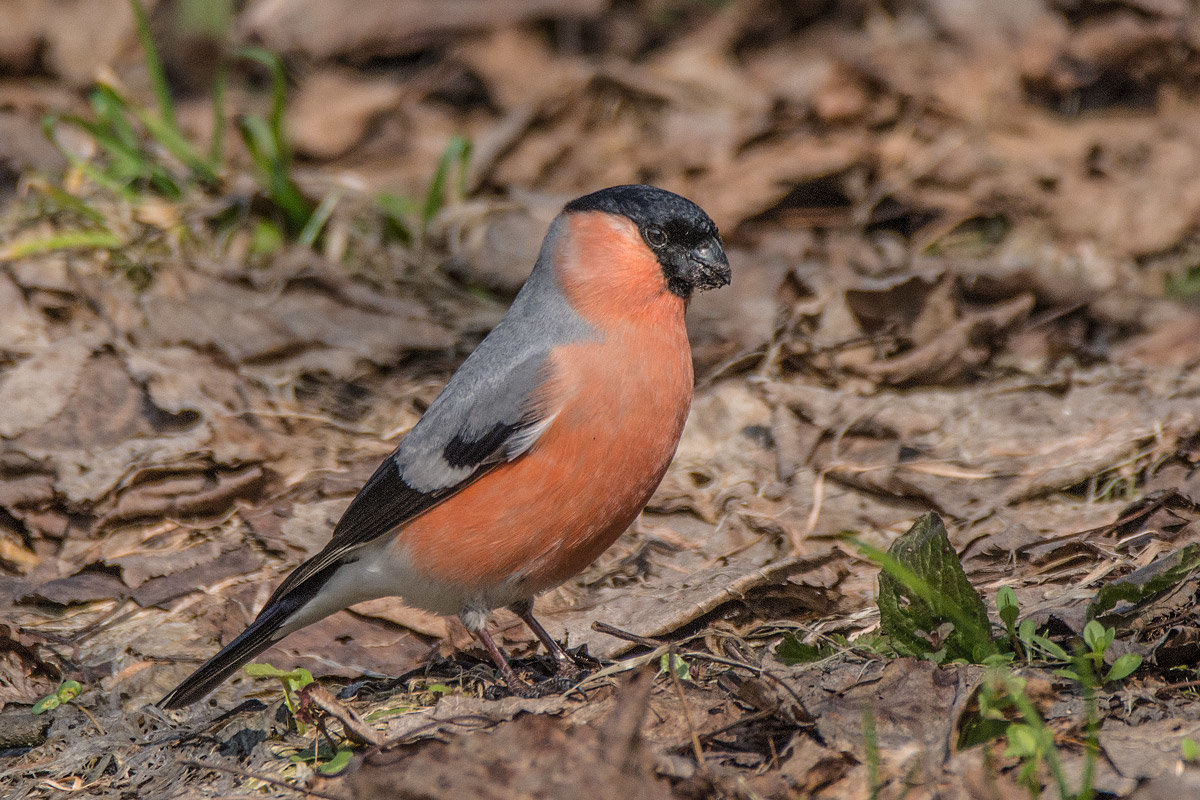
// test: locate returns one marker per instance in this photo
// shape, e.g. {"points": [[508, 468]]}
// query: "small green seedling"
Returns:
{"points": [[66, 692], [1005, 707], [792, 651], [1088, 666], [328, 761], [674, 663], [293, 681], [1008, 610]]}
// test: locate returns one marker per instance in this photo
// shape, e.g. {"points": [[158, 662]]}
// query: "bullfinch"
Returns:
{"points": [[541, 449]]}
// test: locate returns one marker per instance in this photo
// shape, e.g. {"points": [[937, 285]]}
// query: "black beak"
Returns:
{"points": [[707, 266]]}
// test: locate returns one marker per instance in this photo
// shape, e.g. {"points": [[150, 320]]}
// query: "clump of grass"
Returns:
{"points": [[141, 154], [928, 609], [406, 219]]}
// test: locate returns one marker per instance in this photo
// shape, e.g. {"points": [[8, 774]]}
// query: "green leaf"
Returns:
{"points": [[177, 145], [1157, 577], [1189, 749], [1097, 637], [458, 151], [1069, 674], [1007, 608], [265, 671], [112, 109], [1022, 741], [997, 659], [396, 209], [154, 67], [299, 678], [975, 730], [339, 762], [278, 98], [673, 662], [792, 651], [273, 162], [295, 679], [69, 240], [318, 751], [1123, 667], [68, 691], [1049, 648], [922, 587], [312, 228], [265, 237], [60, 199], [47, 703]]}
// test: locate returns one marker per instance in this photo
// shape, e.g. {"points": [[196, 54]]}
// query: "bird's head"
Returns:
{"points": [[682, 238]]}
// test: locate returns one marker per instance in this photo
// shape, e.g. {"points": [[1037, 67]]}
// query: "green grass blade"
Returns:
{"points": [[278, 98], [66, 201], [177, 145], [154, 67], [457, 152], [280, 189], [70, 240], [396, 209], [125, 164], [256, 133], [316, 222], [112, 111], [96, 176], [216, 148]]}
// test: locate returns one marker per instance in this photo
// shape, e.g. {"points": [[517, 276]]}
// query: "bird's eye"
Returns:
{"points": [[656, 236]]}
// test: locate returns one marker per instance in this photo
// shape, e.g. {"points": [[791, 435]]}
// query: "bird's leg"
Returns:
{"points": [[506, 669], [564, 663]]}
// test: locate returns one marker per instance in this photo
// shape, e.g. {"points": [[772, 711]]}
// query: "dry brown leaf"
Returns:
{"points": [[362, 30], [535, 755], [956, 350], [333, 109], [303, 328], [38, 388]]}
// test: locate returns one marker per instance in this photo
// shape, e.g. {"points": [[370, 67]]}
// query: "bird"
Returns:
{"points": [[541, 449]]}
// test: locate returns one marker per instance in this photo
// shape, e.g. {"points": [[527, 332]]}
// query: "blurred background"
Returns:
{"points": [[1028, 131]]}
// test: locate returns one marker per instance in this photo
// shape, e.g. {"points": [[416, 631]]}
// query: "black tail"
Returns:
{"points": [[252, 641], [258, 637]]}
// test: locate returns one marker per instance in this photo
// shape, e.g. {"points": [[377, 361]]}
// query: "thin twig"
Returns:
{"points": [[644, 641], [95, 722], [760, 671], [461, 720]]}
